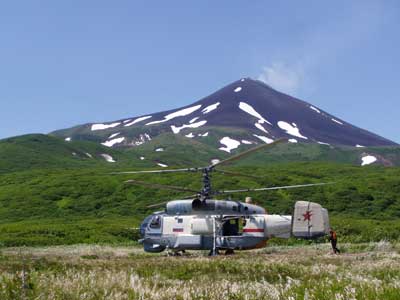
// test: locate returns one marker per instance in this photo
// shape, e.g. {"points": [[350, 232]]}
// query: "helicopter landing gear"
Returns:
{"points": [[176, 253], [229, 252], [213, 253]]}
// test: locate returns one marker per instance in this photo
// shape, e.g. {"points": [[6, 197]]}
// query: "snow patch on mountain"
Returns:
{"points": [[251, 111], [89, 155], [368, 159], [229, 143], [176, 129], [259, 126], [68, 139], [190, 135], [291, 129], [204, 134], [112, 142], [137, 120], [162, 165], [360, 146], [322, 143], [142, 158], [179, 113], [294, 141], [114, 135], [315, 109], [210, 108], [214, 161], [193, 120], [101, 126], [108, 157], [336, 121], [264, 139], [238, 89], [159, 149], [246, 142]]}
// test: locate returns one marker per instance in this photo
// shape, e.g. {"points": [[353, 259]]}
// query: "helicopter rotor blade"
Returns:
{"points": [[165, 202], [237, 174], [273, 188], [191, 196], [158, 171], [157, 204], [247, 152], [160, 186]]}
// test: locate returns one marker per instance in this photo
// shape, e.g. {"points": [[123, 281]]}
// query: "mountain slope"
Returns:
{"points": [[39, 151], [242, 113]]}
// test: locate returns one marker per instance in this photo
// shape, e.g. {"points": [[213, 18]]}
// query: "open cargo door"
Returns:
{"points": [[310, 220]]}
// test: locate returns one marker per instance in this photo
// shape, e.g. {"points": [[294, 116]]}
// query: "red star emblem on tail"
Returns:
{"points": [[307, 215]]}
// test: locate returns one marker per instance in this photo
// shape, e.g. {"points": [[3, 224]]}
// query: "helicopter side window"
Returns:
{"points": [[155, 222], [234, 208], [179, 220]]}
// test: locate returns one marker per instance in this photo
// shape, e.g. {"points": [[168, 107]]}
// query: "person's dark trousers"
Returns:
{"points": [[335, 249]]}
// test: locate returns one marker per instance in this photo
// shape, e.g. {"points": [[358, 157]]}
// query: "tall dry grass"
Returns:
{"points": [[367, 271]]}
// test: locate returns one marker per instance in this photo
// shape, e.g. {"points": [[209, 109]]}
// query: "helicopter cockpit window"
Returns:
{"points": [[155, 222], [234, 208], [179, 220]]}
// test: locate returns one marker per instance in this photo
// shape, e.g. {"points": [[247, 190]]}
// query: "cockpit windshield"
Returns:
{"points": [[155, 222]]}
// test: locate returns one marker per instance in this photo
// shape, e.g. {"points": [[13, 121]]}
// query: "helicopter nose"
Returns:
{"points": [[142, 229]]}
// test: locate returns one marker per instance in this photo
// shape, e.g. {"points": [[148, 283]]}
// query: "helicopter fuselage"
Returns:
{"points": [[225, 224]]}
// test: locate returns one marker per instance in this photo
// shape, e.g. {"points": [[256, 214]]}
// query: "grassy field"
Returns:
{"points": [[363, 271]]}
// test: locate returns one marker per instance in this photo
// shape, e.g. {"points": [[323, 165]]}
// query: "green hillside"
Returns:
{"points": [[49, 205], [388, 156], [53, 192], [38, 151]]}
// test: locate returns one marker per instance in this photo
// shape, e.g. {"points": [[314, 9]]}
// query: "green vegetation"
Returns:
{"points": [[69, 231], [49, 196], [38, 151], [50, 206], [53, 193], [364, 272]]}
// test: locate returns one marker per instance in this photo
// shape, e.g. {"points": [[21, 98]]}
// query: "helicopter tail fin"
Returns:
{"points": [[310, 220]]}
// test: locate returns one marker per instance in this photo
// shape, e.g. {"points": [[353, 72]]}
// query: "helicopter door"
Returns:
{"points": [[231, 227]]}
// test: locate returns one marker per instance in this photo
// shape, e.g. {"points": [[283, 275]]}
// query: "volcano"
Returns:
{"points": [[244, 112]]}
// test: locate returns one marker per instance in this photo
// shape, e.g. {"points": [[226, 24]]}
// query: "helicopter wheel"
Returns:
{"points": [[229, 252]]}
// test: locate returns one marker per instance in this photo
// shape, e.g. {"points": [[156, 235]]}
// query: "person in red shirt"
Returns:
{"points": [[333, 240]]}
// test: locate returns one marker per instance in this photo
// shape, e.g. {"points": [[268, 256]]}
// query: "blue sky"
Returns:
{"points": [[64, 63]]}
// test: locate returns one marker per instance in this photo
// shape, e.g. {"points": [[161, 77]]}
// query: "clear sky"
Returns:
{"points": [[64, 63]]}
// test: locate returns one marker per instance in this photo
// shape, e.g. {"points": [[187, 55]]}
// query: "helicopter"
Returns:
{"points": [[199, 222]]}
